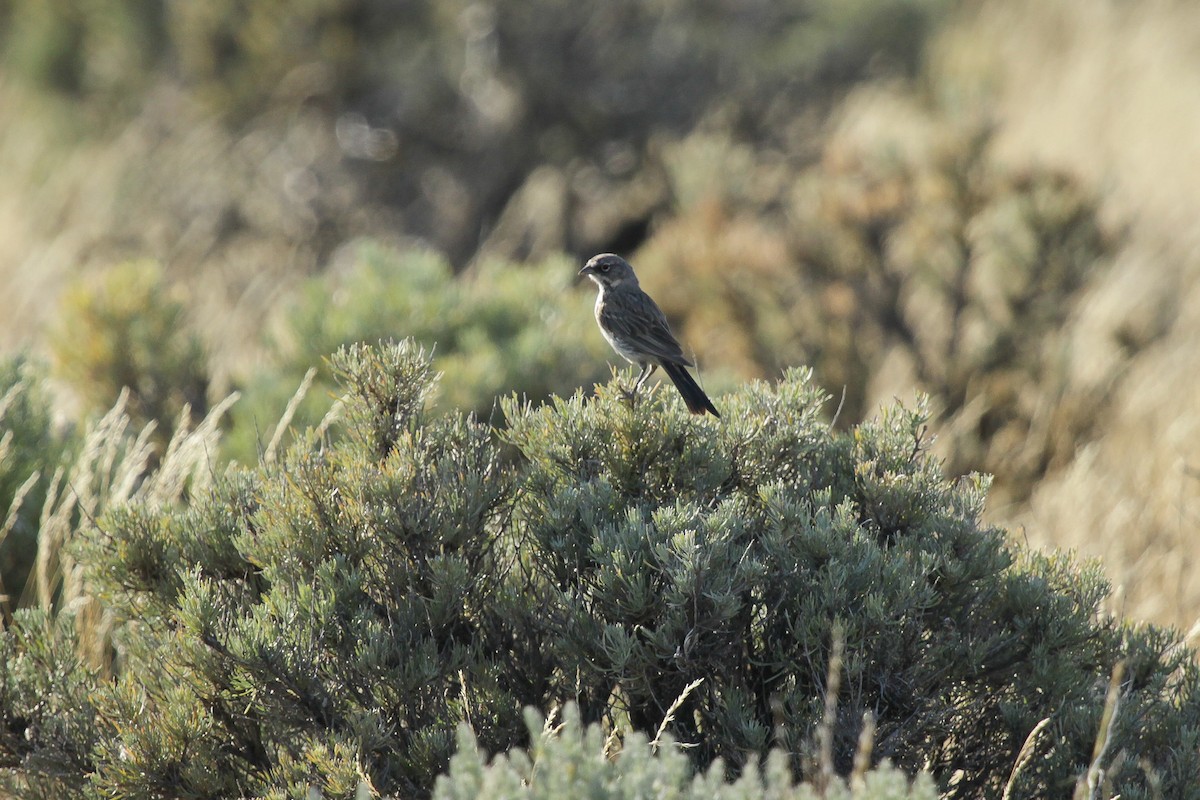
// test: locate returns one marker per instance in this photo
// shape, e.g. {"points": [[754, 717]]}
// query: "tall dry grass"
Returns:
{"points": [[114, 466]]}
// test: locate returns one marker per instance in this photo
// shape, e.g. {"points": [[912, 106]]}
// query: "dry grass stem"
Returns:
{"points": [[1089, 787], [827, 772], [862, 754], [670, 715], [288, 414], [14, 508], [1023, 757]]}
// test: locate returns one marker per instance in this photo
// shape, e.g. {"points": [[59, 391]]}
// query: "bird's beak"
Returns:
{"points": [[587, 270]]}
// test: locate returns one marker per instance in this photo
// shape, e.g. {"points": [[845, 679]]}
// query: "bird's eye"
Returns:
{"points": [[604, 267]]}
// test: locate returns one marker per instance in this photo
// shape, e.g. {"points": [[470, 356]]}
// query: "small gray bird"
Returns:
{"points": [[637, 329]]}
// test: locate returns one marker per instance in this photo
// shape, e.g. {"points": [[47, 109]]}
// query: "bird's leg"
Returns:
{"points": [[647, 370]]}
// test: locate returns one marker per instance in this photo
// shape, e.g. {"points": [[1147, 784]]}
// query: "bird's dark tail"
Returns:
{"points": [[697, 401]]}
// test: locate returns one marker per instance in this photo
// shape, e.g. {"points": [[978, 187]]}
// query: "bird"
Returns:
{"points": [[637, 329]]}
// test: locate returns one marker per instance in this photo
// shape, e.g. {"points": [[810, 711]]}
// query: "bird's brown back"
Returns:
{"points": [[631, 318]]}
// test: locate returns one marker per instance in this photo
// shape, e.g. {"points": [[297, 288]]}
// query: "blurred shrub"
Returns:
{"points": [[567, 760], [238, 53], [909, 256], [102, 49], [241, 52], [496, 329], [30, 451], [124, 328], [438, 113], [534, 52], [327, 620], [962, 267]]}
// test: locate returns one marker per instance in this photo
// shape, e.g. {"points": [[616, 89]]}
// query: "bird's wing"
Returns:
{"points": [[634, 318]]}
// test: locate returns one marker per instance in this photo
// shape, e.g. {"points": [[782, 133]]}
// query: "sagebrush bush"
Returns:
{"points": [[48, 722], [666, 550], [326, 620], [566, 759], [335, 623], [497, 327], [125, 328]]}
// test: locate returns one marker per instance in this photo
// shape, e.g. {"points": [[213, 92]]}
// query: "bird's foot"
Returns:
{"points": [[629, 396]]}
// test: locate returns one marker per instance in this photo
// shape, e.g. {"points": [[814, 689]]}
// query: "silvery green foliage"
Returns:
{"points": [[325, 621], [568, 760]]}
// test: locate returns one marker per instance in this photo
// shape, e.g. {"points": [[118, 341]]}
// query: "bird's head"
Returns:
{"points": [[607, 269]]}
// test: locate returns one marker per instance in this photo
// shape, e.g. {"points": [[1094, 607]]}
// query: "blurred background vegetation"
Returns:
{"points": [[991, 202]]}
